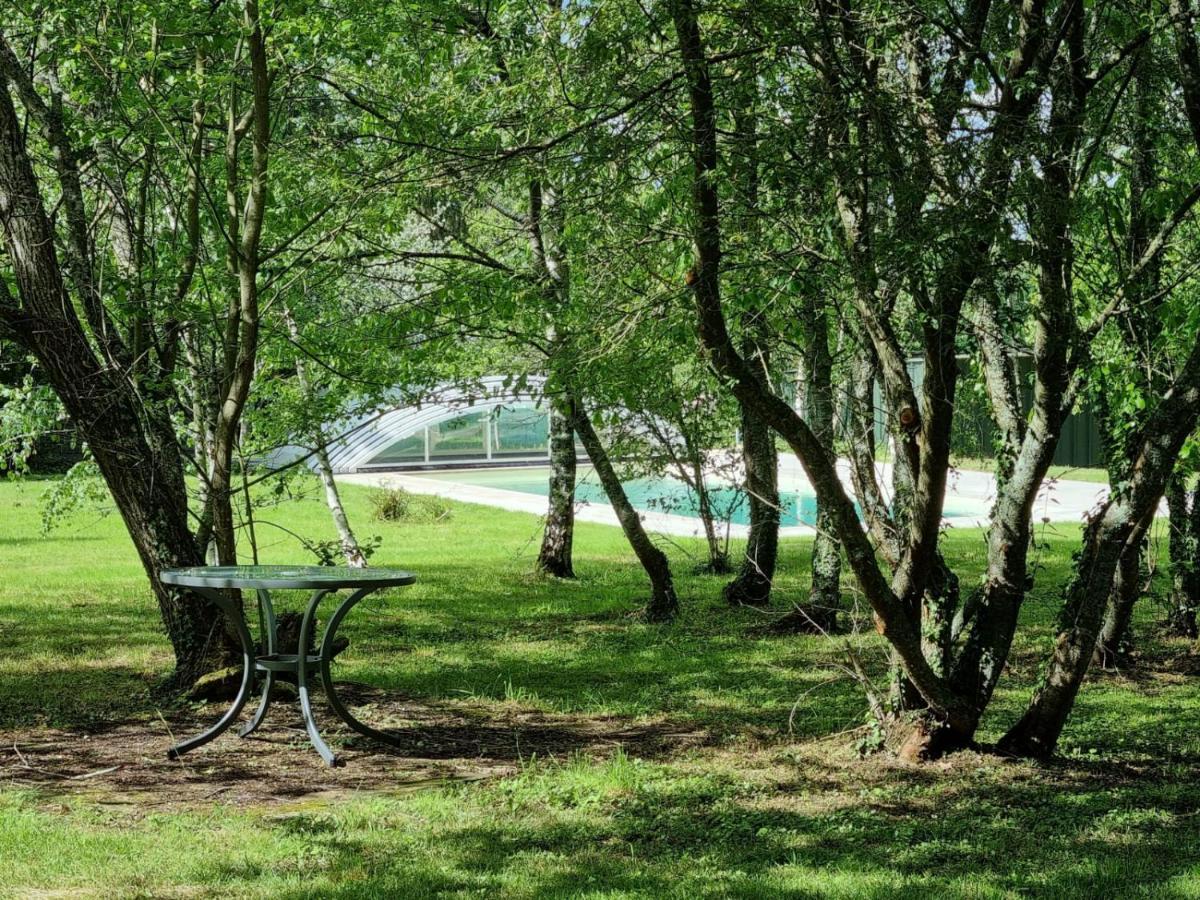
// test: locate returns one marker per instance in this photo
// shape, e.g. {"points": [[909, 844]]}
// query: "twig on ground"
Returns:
{"points": [[26, 764]]}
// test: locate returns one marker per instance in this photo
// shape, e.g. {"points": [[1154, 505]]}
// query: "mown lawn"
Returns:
{"points": [[773, 801]]}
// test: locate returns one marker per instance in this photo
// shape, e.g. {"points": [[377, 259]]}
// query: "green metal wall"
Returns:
{"points": [[974, 432]]}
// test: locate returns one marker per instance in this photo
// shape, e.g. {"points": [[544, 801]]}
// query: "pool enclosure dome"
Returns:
{"points": [[490, 422]]}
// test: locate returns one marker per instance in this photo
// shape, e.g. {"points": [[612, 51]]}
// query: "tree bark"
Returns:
{"points": [[1184, 550], [546, 224], [1115, 531], [860, 438], [752, 586], [243, 233], [826, 549], [142, 468], [351, 550], [555, 556], [203, 398], [664, 604], [1114, 641], [1107, 543]]}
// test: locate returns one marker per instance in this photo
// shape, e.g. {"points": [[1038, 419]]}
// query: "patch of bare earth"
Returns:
{"points": [[435, 742]]}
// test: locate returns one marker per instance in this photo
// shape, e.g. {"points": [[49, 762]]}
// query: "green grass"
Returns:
{"points": [[1065, 473], [758, 810], [1094, 475]]}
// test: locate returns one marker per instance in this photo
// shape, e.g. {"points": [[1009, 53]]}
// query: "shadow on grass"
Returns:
{"points": [[428, 742], [1066, 831], [86, 699]]}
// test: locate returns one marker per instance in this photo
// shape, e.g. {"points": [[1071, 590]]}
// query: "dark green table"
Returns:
{"points": [[210, 581]]}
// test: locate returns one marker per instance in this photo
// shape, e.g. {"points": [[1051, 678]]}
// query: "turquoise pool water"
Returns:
{"points": [[664, 495]]}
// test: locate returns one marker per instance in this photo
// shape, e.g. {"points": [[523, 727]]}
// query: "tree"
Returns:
{"points": [[1184, 549], [352, 551], [103, 294], [893, 172], [760, 461], [515, 268], [114, 398]]}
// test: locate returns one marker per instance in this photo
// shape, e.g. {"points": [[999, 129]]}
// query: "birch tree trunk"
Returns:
{"points": [[351, 551], [558, 539], [546, 223]]}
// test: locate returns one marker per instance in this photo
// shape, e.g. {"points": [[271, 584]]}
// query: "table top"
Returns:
{"points": [[287, 577]]}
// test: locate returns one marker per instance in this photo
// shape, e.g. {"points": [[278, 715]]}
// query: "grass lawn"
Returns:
{"points": [[978, 464], [559, 748], [1065, 473]]}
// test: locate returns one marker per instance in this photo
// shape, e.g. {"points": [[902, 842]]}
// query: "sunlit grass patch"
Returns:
{"points": [[766, 798]]}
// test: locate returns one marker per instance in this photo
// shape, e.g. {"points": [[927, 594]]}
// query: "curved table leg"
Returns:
{"points": [[310, 724], [235, 615], [266, 618], [326, 655]]}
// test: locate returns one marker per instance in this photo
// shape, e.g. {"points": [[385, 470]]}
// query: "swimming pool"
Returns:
{"points": [[660, 495]]}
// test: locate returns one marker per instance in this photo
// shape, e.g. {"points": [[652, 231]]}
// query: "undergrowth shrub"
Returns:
{"points": [[400, 505]]}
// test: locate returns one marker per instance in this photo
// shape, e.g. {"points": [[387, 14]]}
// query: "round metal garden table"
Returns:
{"points": [[210, 581]]}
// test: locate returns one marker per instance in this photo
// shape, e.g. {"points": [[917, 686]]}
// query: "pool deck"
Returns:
{"points": [[1059, 500]]}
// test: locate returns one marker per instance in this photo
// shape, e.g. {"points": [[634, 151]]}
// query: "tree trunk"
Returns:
{"points": [[892, 616], [243, 233], [202, 403], [752, 586], [141, 464], [555, 556], [1114, 640], [860, 438], [826, 565], [1184, 550], [1117, 530], [1145, 221], [826, 549], [718, 560], [663, 604], [351, 550], [1107, 542]]}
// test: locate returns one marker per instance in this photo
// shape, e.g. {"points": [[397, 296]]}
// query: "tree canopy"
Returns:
{"points": [[707, 226]]}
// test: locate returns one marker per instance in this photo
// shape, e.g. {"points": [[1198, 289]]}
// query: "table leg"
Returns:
{"points": [[231, 610], [266, 619], [326, 655], [310, 723]]}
